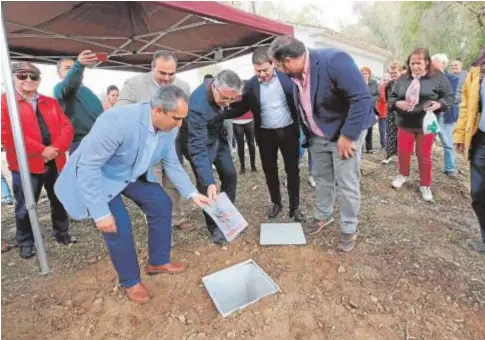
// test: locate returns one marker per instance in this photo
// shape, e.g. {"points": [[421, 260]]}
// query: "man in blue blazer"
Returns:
{"points": [[203, 138], [336, 109], [117, 158], [269, 95]]}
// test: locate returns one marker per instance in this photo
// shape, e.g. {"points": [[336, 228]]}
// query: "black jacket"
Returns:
{"points": [[252, 101], [435, 87]]}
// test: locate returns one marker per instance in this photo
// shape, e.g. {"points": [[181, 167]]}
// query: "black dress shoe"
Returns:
{"points": [[275, 211], [65, 239], [218, 237], [27, 251], [297, 215]]}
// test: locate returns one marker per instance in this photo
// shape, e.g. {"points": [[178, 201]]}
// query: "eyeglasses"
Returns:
{"points": [[223, 97], [24, 76]]}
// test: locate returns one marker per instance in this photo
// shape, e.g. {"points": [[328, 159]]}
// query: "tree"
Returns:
{"points": [[455, 28]]}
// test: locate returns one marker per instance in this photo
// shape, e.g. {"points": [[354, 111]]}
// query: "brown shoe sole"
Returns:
{"points": [[156, 272]]}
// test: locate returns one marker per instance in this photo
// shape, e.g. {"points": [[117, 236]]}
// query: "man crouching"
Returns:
{"points": [[117, 158]]}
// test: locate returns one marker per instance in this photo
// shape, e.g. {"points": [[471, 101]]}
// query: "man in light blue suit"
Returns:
{"points": [[117, 158]]}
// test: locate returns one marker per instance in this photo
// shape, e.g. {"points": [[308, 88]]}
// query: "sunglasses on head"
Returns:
{"points": [[24, 76]]}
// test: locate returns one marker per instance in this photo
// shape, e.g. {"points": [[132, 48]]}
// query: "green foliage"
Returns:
{"points": [[455, 28]]}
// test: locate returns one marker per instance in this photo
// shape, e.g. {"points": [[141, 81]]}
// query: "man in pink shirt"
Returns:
{"points": [[336, 110]]}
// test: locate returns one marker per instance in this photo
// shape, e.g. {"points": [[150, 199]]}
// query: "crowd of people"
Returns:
{"points": [[134, 144]]}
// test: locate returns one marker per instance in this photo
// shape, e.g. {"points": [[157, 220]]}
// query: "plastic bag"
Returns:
{"points": [[430, 123]]}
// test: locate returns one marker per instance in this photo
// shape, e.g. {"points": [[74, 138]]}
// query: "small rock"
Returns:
{"points": [[231, 335], [98, 300], [374, 299], [197, 253], [81, 311], [200, 335], [266, 322], [115, 288], [224, 248], [320, 324], [353, 303], [228, 262], [181, 318], [341, 269], [416, 265], [312, 297], [92, 260], [69, 303]]}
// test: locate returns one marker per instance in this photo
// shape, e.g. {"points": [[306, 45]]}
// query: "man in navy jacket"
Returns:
{"points": [[204, 142], [336, 110], [269, 96], [447, 119]]}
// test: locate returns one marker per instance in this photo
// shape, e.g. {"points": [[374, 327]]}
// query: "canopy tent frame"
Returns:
{"points": [[250, 30]]}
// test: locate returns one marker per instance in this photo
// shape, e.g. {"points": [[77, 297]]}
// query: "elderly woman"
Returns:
{"points": [[469, 137], [374, 90], [391, 133], [422, 89]]}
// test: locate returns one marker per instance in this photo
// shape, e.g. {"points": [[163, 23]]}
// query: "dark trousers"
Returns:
{"points": [[368, 139], [157, 206], [477, 167], [241, 130], [382, 131], [287, 140], [220, 155], [60, 221], [73, 147]]}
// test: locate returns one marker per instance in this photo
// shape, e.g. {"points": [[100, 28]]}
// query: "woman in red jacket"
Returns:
{"points": [[47, 135]]}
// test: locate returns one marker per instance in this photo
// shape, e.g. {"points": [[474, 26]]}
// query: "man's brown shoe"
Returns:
{"points": [[186, 226], [138, 293], [316, 226], [170, 268]]}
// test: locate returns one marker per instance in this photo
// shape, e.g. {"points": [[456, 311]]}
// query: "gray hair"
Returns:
{"points": [[286, 47], [261, 56], [167, 97], [227, 79], [442, 58], [165, 55]]}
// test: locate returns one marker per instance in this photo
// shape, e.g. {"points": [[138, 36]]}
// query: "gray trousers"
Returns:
{"points": [[228, 125], [331, 174]]}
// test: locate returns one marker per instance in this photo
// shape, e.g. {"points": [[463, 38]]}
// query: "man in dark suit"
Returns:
{"points": [[204, 142], [336, 109], [269, 95]]}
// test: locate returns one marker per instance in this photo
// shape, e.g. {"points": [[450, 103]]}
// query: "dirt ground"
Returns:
{"points": [[411, 275]]}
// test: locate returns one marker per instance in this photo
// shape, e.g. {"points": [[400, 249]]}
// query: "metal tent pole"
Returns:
{"points": [[20, 150]]}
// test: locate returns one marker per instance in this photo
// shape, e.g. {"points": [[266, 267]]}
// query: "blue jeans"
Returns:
{"points": [[157, 206], [382, 122], [446, 137], [477, 178], [302, 153], [6, 193]]}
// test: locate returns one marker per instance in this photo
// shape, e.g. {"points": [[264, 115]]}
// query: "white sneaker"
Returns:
{"points": [[387, 160], [399, 181], [426, 194], [311, 180]]}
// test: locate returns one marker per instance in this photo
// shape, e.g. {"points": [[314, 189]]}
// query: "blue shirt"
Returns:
{"points": [[481, 124], [148, 150], [275, 112]]}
